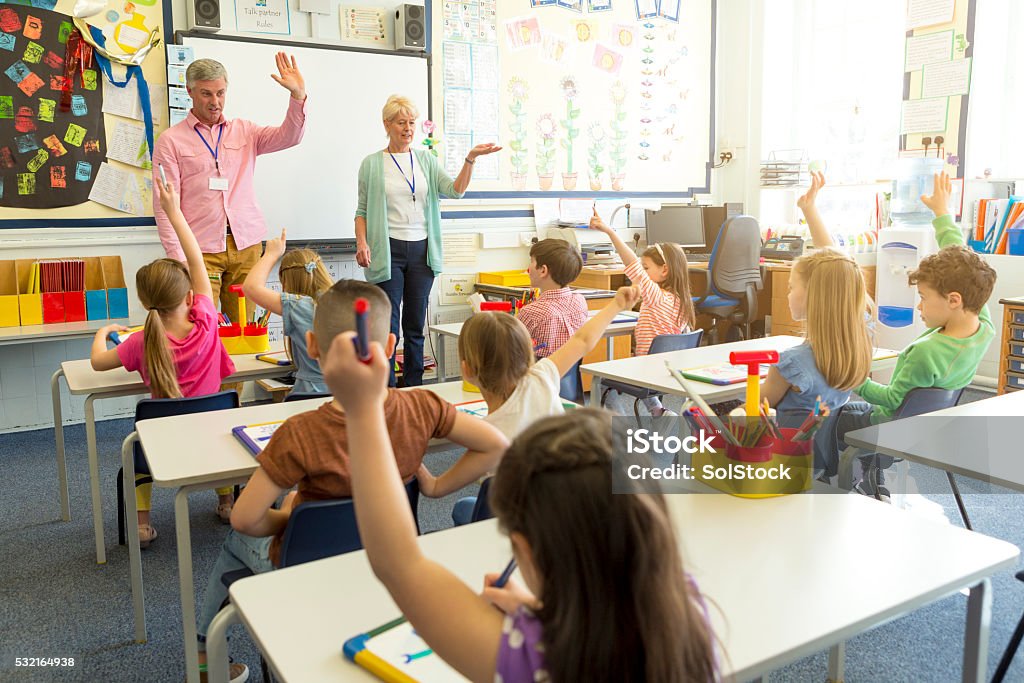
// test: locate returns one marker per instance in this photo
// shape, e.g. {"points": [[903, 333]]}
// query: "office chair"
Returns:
{"points": [[663, 343], [734, 276], [150, 408]]}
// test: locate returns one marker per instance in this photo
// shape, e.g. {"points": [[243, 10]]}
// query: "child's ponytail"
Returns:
{"points": [[162, 285]]}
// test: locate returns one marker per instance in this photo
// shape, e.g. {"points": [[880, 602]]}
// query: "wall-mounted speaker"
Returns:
{"points": [[410, 28], [203, 15]]}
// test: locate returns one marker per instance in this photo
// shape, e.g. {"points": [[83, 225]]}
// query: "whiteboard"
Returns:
{"points": [[312, 188]]}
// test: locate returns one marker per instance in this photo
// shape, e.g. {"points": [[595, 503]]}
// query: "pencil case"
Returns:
{"points": [[767, 456], [240, 340]]}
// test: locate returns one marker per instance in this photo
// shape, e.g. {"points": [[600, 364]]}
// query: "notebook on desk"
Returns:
{"points": [[721, 374], [255, 437], [395, 652]]}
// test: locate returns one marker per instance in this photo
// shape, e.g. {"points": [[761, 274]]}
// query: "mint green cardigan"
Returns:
{"points": [[373, 206]]}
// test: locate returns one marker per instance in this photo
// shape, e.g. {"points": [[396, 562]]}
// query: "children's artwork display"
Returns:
{"points": [[585, 97], [51, 119]]}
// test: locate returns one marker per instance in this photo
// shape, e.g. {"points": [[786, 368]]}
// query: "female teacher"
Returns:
{"points": [[398, 225]]}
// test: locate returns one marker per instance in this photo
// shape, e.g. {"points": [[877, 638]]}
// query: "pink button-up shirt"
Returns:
{"points": [[189, 165]]}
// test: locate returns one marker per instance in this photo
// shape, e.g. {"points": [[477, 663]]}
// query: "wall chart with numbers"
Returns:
{"points": [[586, 96], [74, 146]]}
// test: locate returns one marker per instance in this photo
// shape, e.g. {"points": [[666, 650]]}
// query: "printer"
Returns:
{"points": [[594, 246]]}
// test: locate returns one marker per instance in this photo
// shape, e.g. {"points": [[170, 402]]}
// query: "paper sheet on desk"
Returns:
{"points": [[578, 211]]}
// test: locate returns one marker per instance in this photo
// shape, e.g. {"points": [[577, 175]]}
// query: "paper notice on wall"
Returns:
{"points": [[122, 101], [457, 65], [456, 287], [924, 116], [458, 112], [946, 78], [485, 115], [545, 214], [128, 145], [928, 49], [456, 147], [366, 25], [922, 13], [577, 211], [459, 249], [117, 189]]}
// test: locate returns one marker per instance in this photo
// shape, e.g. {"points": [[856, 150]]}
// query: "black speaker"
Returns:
{"points": [[203, 15], [411, 28]]}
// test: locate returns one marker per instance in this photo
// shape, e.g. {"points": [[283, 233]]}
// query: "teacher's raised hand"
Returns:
{"points": [[290, 77], [482, 150]]}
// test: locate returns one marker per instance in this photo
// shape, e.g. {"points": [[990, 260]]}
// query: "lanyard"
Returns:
{"points": [[214, 151], [412, 170]]}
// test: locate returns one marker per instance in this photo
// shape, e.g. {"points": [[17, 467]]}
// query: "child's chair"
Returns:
{"points": [[481, 509], [571, 388], [663, 343], [733, 276], [150, 408], [316, 529], [300, 396], [918, 401]]}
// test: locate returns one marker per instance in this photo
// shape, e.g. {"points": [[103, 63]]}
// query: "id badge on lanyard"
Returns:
{"points": [[217, 182]]}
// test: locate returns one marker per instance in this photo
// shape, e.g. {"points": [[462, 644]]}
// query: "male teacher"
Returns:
{"points": [[211, 161]]}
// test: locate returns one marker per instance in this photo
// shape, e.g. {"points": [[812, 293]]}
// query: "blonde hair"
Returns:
{"points": [[836, 303], [398, 104], [678, 280], [497, 348], [162, 286], [302, 272]]}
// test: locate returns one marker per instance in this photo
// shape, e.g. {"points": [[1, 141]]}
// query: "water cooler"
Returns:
{"points": [[900, 249]]}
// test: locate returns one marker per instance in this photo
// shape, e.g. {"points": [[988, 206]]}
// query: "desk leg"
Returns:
{"points": [[836, 663], [979, 619], [442, 369], [132, 529], [188, 593], [595, 391], [217, 644], [58, 434], [94, 477], [609, 345]]}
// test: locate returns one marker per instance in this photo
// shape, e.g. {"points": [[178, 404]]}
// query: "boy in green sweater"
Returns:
{"points": [[953, 286]]}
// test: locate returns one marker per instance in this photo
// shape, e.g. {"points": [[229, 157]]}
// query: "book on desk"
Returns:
{"points": [[255, 437], [395, 652]]}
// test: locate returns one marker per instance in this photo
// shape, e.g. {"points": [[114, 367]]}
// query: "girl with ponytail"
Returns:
{"points": [[179, 353], [303, 279]]}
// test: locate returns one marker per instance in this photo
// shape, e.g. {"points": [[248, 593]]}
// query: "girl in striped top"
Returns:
{"points": [[666, 306]]}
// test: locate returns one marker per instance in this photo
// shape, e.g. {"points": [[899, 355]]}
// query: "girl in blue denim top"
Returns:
{"points": [[606, 597], [303, 279]]}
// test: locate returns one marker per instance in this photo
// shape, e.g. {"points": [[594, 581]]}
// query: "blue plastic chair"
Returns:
{"points": [[734, 276], [571, 387], [150, 408], [300, 396], [663, 343]]}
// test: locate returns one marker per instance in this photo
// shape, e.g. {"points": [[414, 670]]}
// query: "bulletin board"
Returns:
{"points": [[937, 75], [594, 97], [66, 132]]}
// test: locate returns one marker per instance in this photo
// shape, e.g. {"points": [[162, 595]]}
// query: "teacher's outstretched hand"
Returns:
{"points": [[290, 77]]}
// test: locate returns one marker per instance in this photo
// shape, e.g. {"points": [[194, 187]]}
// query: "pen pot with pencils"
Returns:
{"points": [[238, 339], [772, 465]]}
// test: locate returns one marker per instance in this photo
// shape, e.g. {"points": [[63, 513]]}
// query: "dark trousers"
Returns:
{"points": [[409, 292]]}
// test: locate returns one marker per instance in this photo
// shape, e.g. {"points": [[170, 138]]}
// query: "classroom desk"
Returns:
{"points": [[83, 380], [650, 371], [772, 588], [213, 458], [453, 330], [989, 451]]}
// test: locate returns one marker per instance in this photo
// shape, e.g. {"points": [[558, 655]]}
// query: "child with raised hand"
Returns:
{"points": [[953, 286], [666, 307], [497, 356], [179, 353], [303, 279], [620, 587]]}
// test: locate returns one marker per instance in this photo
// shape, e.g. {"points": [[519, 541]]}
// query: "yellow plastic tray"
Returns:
{"points": [[505, 278]]}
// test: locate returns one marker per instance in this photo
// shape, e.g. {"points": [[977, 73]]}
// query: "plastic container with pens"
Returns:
{"points": [[241, 339]]}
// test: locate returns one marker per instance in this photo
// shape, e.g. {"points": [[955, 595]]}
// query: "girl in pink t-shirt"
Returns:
{"points": [[179, 353]]}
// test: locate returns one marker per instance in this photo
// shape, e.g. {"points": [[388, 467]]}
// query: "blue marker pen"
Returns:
{"points": [[506, 575], [362, 340]]}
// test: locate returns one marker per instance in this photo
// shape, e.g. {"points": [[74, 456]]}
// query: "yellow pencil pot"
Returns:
{"points": [[774, 467]]}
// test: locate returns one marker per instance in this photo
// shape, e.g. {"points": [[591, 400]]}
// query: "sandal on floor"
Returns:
{"points": [[224, 512], [147, 534]]}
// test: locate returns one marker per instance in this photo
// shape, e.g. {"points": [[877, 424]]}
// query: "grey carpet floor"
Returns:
{"points": [[55, 601]]}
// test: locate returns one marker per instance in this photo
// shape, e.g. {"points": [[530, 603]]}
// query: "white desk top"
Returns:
{"points": [[56, 331], [613, 330], [217, 455], [82, 379], [774, 589], [984, 444]]}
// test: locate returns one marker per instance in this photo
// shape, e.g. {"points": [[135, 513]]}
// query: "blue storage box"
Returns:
{"points": [[117, 291]]}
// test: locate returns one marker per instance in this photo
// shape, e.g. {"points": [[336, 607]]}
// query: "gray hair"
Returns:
{"points": [[205, 70]]}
